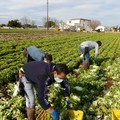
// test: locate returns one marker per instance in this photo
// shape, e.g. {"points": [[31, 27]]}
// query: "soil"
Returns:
{"points": [[29, 36], [4, 91], [109, 83], [76, 75]]}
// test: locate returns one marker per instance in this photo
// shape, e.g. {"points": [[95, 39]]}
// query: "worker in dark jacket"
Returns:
{"points": [[85, 48], [41, 75], [32, 53]]}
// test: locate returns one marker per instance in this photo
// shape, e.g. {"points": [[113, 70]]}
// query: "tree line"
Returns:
{"points": [[25, 22]]}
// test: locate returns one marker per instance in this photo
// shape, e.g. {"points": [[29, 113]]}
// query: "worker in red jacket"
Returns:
{"points": [[41, 75]]}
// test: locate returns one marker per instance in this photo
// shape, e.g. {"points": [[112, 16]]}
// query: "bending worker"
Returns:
{"points": [[32, 53], [85, 48], [41, 75]]}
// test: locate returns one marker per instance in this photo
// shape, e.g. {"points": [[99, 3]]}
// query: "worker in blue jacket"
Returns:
{"points": [[32, 53], [85, 48], [41, 75]]}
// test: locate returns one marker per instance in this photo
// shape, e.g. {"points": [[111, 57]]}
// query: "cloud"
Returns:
{"points": [[4, 16], [62, 9]]}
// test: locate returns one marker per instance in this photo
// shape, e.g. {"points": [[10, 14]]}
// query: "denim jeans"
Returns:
{"points": [[85, 55], [29, 92]]}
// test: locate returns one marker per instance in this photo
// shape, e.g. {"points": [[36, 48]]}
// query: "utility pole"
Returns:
{"points": [[47, 16]]}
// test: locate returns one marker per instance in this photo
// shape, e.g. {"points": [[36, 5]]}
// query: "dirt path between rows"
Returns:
{"points": [[30, 36]]}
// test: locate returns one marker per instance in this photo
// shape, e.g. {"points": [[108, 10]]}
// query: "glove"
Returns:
{"points": [[68, 104], [55, 115]]}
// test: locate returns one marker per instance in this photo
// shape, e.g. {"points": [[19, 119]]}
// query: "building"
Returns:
{"points": [[79, 24], [100, 28]]}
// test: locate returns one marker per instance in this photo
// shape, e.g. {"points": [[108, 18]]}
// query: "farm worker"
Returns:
{"points": [[85, 48], [32, 53], [41, 75], [48, 58]]}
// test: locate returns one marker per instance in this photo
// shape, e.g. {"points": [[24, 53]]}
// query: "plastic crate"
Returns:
{"points": [[115, 114], [43, 115], [76, 114]]}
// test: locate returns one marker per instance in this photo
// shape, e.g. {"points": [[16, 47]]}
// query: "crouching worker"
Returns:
{"points": [[23, 86], [33, 53], [85, 48], [41, 75]]}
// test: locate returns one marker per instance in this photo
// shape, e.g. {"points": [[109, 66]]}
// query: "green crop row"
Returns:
{"points": [[64, 49], [87, 88]]}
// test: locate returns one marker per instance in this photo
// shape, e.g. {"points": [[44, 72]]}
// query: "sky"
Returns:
{"points": [[105, 11]]}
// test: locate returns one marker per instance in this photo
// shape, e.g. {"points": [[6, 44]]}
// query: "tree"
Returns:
{"points": [[25, 22], [51, 22], [14, 23], [2, 25], [33, 24], [55, 21], [61, 24], [94, 23]]}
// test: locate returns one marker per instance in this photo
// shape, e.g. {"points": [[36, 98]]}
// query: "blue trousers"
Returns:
{"points": [[86, 55]]}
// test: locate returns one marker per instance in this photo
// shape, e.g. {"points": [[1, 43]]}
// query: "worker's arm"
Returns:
{"points": [[96, 50], [46, 105], [66, 89], [42, 94]]}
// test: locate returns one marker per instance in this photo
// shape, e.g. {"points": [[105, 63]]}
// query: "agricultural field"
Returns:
{"points": [[96, 92]]}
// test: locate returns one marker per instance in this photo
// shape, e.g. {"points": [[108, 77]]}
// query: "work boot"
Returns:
{"points": [[85, 66], [31, 114]]}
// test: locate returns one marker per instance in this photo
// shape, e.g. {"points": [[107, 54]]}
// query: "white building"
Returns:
{"points": [[63, 26], [100, 28], [79, 23]]}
